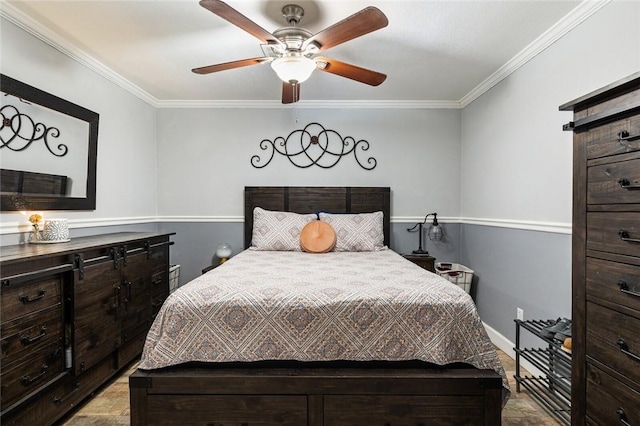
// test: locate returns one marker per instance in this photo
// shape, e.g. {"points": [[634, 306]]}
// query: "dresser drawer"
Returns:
{"points": [[60, 397], [24, 299], [610, 402], [614, 232], [354, 410], [160, 285], [159, 256], [615, 138], [26, 377], [130, 349], [136, 323], [185, 410], [609, 335], [615, 182], [614, 282], [21, 338]]}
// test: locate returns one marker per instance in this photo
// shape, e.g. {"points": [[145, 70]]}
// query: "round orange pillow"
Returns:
{"points": [[317, 237]]}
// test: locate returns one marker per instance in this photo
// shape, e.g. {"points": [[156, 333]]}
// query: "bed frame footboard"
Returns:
{"points": [[315, 397]]}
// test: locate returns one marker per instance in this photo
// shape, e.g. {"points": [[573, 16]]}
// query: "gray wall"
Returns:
{"points": [[516, 268], [204, 157]]}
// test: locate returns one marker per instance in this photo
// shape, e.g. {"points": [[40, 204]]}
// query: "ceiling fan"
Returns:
{"points": [[292, 50]]}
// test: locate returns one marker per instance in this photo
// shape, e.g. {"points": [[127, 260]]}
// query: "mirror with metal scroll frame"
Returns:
{"points": [[48, 149]]}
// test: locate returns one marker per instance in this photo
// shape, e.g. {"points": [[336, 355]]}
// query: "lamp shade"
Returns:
{"points": [[223, 251], [435, 231], [293, 69]]}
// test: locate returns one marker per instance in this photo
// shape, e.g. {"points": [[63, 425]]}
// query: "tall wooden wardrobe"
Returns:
{"points": [[606, 255]]}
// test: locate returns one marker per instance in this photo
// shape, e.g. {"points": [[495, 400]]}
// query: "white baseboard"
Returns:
{"points": [[506, 346]]}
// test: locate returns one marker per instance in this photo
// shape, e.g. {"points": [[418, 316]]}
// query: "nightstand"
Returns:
{"points": [[422, 260], [210, 267]]}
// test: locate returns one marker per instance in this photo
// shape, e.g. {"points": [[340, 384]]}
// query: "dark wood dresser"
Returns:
{"points": [[606, 255], [73, 315]]}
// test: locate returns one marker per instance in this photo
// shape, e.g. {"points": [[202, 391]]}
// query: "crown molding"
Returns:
{"points": [[574, 18], [583, 11], [41, 32], [344, 104]]}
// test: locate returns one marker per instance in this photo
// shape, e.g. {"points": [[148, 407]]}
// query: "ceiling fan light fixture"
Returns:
{"points": [[293, 69]]}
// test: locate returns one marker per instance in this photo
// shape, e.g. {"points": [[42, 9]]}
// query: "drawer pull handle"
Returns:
{"points": [[27, 299], [626, 184], [25, 340], [123, 250], [116, 296], [60, 399], [127, 298], [27, 380], [624, 288], [157, 281], [624, 136], [625, 350], [623, 417], [624, 236]]}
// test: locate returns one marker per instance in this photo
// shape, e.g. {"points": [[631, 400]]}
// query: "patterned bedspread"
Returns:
{"points": [[362, 306]]}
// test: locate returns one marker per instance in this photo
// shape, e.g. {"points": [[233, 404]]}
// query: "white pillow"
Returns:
{"points": [[357, 232], [278, 231]]}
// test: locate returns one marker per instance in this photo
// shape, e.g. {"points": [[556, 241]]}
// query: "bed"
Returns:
{"points": [[340, 338]]}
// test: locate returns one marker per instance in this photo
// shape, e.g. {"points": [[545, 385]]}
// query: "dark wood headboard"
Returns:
{"points": [[311, 199]]}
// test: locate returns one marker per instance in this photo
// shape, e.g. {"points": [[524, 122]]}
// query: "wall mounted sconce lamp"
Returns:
{"points": [[223, 252], [435, 232]]}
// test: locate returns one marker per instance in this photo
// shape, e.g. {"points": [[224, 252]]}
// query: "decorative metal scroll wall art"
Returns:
{"points": [[314, 145], [19, 131]]}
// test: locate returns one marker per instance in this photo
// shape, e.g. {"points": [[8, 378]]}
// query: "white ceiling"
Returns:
{"points": [[437, 50]]}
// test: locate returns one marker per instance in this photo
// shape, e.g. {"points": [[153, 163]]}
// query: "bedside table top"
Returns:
{"points": [[423, 260], [417, 256], [210, 267]]}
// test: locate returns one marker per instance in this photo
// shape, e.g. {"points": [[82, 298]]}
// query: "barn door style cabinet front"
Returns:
{"points": [[73, 315]]}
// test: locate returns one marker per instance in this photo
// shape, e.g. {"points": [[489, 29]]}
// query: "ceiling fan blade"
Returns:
{"points": [[363, 75], [290, 93], [228, 13], [229, 65], [367, 20]]}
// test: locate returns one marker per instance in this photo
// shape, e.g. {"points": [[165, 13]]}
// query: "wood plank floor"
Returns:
{"points": [[110, 406]]}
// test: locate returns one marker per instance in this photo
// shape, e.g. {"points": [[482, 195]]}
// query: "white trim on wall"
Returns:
{"points": [[556, 228], [199, 219], [583, 11], [551, 227], [311, 104], [33, 27], [527, 225], [17, 227]]}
